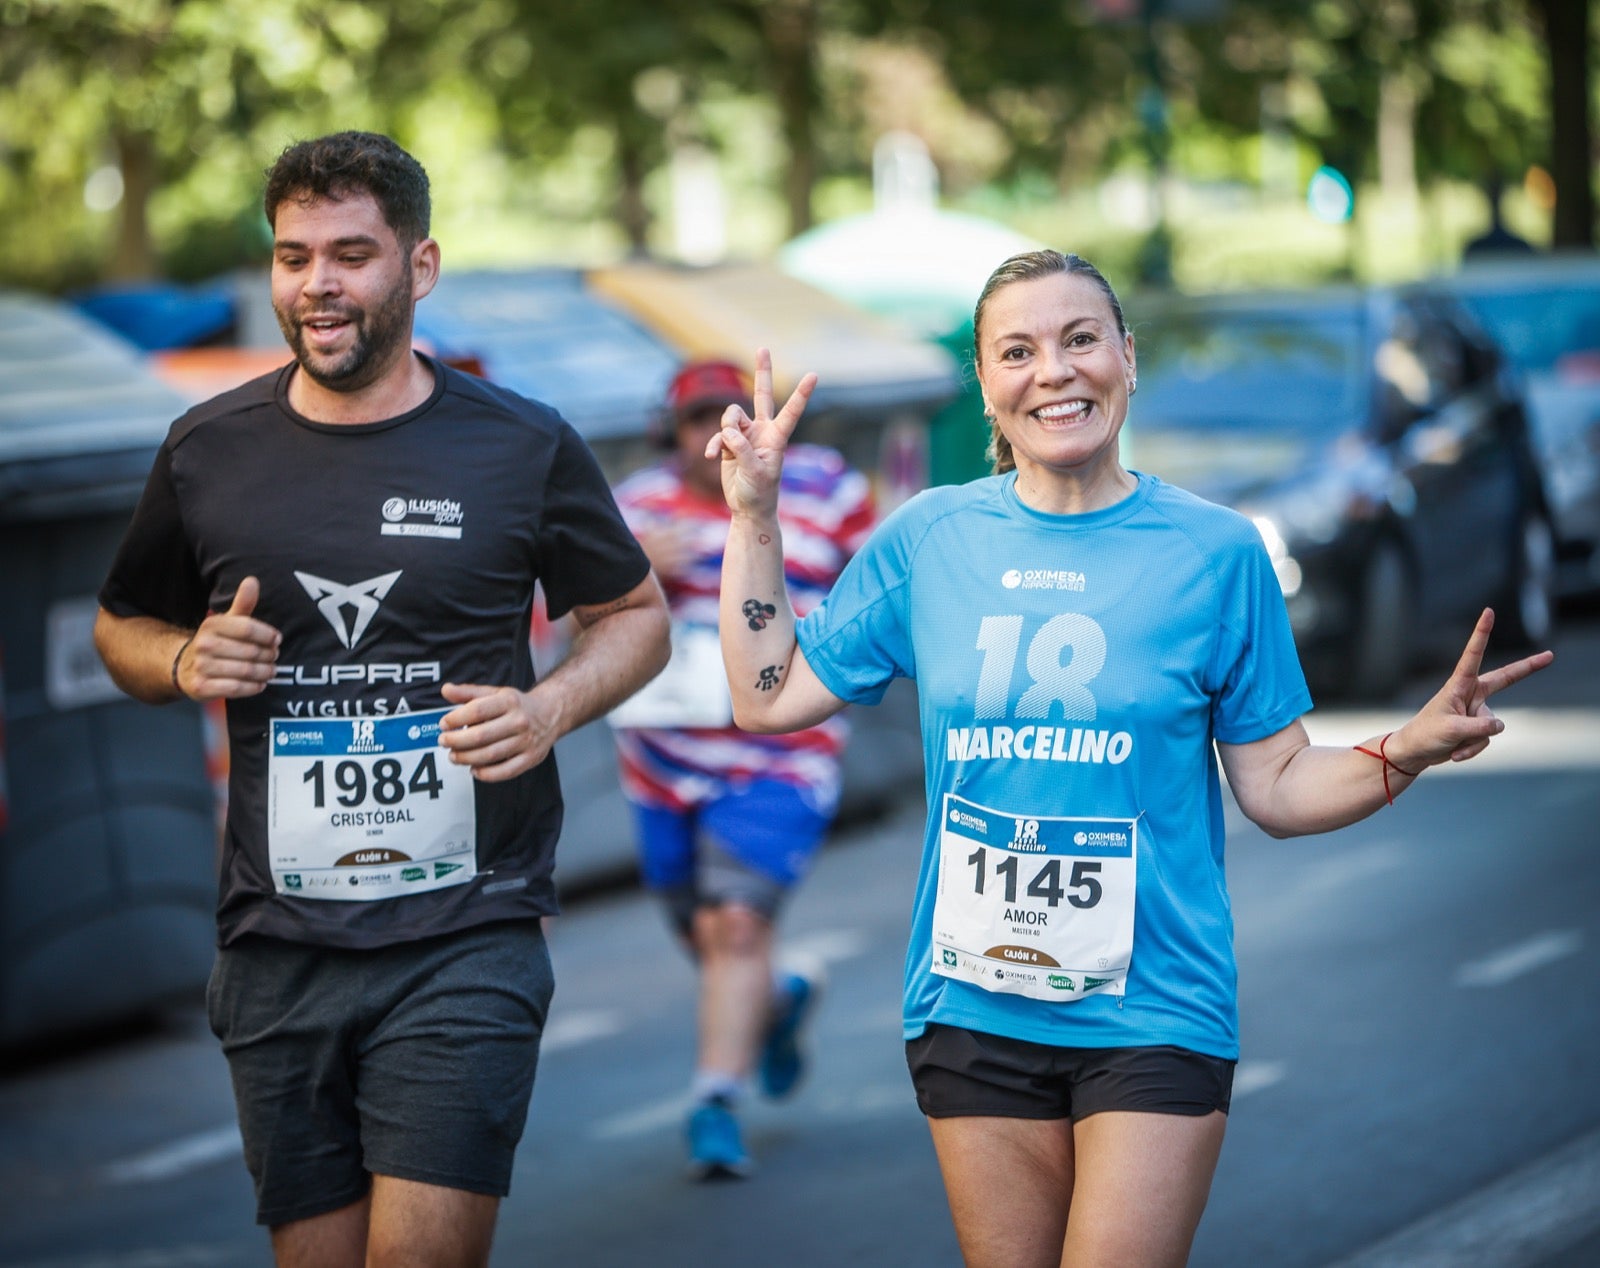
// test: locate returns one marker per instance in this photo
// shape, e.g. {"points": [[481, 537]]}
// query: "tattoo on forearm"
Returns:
{"points": [[758, 613], [768, 679], [764, 539]]}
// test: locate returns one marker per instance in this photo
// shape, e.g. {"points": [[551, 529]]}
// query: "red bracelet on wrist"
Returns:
{"points": [[1383, 756]]}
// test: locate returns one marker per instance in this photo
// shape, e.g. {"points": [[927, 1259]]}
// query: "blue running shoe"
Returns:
{"points": [[783, 1058], [716, 1151]]}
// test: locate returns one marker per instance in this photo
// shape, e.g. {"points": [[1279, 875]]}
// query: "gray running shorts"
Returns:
{"points": [[414, 1061]]}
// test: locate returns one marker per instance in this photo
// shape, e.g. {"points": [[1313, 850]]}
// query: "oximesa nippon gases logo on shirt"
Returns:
{"points": [[1042, 579]]}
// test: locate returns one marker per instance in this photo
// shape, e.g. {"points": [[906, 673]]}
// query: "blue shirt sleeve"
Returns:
{"points": [[1259, 687], [857, 640]]}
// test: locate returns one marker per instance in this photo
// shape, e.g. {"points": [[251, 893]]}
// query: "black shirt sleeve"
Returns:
{"points": [[587, 554], [154, 572]]}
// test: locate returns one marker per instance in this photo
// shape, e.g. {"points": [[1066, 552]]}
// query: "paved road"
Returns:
{"points": [[1419, 1016]]}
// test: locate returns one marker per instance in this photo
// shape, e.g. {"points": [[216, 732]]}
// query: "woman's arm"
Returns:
{"points": [[773, 687], [1290, 787]]}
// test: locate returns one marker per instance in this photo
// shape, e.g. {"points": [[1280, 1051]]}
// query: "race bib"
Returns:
{"points": [[692, 691], [366, 808], [1034, 905]]}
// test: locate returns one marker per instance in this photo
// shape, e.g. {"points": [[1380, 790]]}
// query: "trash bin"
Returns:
{"points": [[107, 812]]}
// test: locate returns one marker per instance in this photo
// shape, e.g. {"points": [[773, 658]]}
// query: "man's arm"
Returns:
{"points": [[230, 655], [501, 732]]}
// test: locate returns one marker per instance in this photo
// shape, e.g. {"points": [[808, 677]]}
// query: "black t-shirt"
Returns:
{"points": [[393, 557]]}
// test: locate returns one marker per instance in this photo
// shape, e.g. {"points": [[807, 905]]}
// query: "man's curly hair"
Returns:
{"points": [[353, 163]]}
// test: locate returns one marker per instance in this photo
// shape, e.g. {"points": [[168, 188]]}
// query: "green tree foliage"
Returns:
{"points": [[181, 103]]}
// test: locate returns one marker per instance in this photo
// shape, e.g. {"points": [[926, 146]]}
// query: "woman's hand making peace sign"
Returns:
{"points": [[752, 448]]}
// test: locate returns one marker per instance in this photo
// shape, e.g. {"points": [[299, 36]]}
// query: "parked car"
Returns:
{"points": [[1544, 311], [1378, 442]]}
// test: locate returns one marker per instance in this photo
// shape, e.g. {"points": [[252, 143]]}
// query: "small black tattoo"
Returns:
{"points": [[768, 679], [758, 613]]}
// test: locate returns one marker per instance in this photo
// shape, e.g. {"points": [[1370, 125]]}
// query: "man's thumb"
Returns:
{"points": [[245, 598]]}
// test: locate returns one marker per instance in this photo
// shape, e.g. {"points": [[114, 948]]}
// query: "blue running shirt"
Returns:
{"points": [[1072, 673]]}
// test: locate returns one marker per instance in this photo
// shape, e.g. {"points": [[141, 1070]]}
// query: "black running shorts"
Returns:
{"points": [[414, 1061], [965, 1073]]}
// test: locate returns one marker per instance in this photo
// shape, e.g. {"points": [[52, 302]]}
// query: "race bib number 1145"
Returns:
{"points": [[1034, 905]]}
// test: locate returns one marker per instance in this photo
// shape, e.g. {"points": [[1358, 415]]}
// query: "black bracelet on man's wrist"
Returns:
{"points": [[176, 686]]}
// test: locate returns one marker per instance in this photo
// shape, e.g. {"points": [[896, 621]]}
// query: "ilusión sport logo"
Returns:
{"points": [[421, 517]]}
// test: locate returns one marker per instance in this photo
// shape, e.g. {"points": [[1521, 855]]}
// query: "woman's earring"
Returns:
{"points": [[1133, 385]]}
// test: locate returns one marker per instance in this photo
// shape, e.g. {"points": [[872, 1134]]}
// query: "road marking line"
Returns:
{"points": [[831, 946], [1519, 1221], [569, 1030], [187, 1154], [170, 1257], [640, 1122], [867, 1100], [1511, 963], [1348, 866], [1253, 1076]]}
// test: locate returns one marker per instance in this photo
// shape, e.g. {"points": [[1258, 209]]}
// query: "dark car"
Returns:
{"points": [[1544, 311], [1379, 443]]}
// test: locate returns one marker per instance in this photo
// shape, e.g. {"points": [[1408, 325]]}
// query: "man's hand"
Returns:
{"points": [[670, 548], [499, 732], [232, 654]]}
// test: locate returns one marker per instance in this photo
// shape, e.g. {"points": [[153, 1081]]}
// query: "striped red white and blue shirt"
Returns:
{"points": [[825, 510]]}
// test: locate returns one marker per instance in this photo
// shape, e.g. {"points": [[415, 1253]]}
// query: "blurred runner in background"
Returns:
{"points": [[729, 823]]}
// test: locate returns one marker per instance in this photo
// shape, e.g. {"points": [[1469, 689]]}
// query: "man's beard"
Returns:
{"points": [[378, 332]]}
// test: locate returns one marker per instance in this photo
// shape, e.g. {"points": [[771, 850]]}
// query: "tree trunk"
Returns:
{"points": [[1397, 150], [1566, 31], [633, 215], [134, 257], [790, 27]]}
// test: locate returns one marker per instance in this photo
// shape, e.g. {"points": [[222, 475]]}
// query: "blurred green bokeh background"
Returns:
{"points": [[1162, 138]]}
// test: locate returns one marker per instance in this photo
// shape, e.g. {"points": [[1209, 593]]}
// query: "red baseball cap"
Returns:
{"points": [[703, 383]]}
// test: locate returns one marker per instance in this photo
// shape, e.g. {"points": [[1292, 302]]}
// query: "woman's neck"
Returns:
{"points": [[1074, 493]]}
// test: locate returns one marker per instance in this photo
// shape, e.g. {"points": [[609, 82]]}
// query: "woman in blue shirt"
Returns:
{"points": [[1087, 642]]}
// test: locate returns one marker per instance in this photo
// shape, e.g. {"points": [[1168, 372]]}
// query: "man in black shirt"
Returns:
{"points": [[346, 552]]}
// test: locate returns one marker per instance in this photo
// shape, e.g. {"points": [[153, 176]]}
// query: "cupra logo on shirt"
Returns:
{"points": [[364, 597]]}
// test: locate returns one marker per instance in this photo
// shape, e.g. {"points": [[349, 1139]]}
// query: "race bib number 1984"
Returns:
{"points": [[1033, 905], [367, 808]]}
